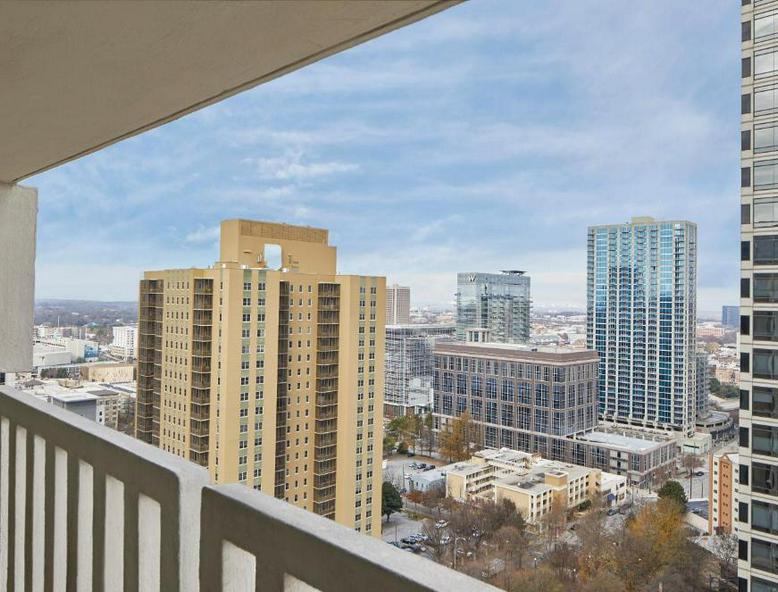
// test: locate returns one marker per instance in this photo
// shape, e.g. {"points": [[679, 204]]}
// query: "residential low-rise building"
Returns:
{"points": [[534, 494], [530, 482], [427, 481]]}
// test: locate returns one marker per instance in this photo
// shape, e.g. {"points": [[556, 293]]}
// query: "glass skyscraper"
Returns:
{"points": [[499, 302], [641, 319]]}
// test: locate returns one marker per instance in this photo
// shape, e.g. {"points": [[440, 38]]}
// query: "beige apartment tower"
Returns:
{"points": [[270, 377], [398, 305]]}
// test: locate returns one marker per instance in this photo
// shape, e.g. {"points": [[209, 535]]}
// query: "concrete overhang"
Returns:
{"points": [[78, 76]]}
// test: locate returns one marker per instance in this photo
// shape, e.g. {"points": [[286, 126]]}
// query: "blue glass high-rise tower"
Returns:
{"points": [[641, 319]]}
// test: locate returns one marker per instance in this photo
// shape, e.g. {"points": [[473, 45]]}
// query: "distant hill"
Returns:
{"points": [[84, 312]]}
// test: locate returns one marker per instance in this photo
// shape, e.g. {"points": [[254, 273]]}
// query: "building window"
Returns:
{"points": [[744, 403], [764, 26], [745, 213], [765, 138], [745, 362], [765, 213], [743, 436], [765, 250], [745, 66], [745, 250], [764, 516], [765, 326], [745, 287], [765, 63], [745, 31], [764, 440], [765, 101], [765, 401], [745, 104], [764, 555], [765, 363], [765, 174], [757, 585], [745, 325], [766, 287]]}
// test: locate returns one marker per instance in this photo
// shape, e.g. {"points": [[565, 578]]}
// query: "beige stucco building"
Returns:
{"points": [[269, 374], [108, 372], [530, 482]]}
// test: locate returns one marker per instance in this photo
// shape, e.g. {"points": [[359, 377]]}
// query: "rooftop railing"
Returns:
{"points": [[83, 507]]}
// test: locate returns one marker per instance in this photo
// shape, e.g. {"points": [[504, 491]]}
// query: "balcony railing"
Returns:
{"points": [[86, 507]]}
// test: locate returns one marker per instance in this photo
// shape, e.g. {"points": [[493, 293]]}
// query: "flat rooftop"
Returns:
{"points": [[515, 351], [621, 441], [463, 468]]}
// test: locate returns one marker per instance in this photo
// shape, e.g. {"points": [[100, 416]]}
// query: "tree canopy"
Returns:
{"points": [[674, 491], [391, 501]]}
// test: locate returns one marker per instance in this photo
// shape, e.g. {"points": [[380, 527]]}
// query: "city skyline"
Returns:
{"points": [[415, 140]]}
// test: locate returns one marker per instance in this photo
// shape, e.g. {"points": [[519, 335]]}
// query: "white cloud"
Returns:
{"points": [[292, 167], [203, 235]]}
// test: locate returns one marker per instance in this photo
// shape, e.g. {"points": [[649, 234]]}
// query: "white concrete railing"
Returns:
{"points": [[85, 508]]}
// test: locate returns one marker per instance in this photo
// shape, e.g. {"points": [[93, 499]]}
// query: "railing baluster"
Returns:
{"points": [[149, 544], [20, 508], [113, 556], [85, 520], [5, 528], [36, 499], [72, 522], [59, 569], [98, 529], [131, 538]]}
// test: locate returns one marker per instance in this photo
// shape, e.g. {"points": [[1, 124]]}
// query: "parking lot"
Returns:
{"points": [[400, 466]]}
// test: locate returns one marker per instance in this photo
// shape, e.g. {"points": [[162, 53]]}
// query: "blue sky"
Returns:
{"points": [[486, 137]]}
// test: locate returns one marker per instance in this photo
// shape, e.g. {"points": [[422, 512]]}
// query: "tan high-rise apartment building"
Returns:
{"points": [[269, 376], [398, 305]]}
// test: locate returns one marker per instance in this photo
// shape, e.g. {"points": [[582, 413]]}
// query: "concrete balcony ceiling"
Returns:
{"points": [[76, 77]]}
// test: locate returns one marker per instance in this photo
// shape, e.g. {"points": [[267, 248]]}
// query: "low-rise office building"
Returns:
{"points": [[530, 482], [542, 401], [115, 372]]}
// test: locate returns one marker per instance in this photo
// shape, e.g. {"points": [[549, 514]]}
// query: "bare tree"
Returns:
{"points": [[434, 542], [553, 522], [724, 547]]}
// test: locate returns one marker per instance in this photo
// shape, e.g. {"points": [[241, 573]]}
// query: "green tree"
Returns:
{"points": [[715, 385], [674, 491], [391, 501]]}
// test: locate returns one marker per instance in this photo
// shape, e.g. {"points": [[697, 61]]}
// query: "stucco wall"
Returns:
{"points": [[18, 215]]}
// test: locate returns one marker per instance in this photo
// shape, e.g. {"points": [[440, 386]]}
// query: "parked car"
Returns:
{"points": [[410, 454], [612, 511], [699, 473], [429, 468], [441, 524], [413, 465]]}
